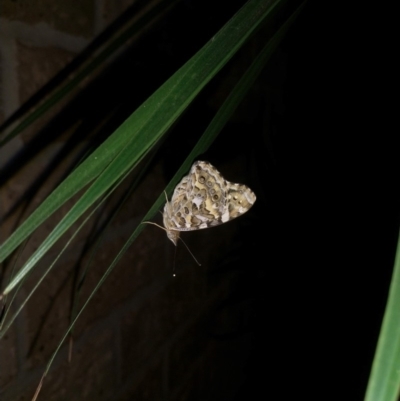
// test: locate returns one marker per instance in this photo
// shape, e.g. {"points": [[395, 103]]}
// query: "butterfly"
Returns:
{"points": [[204, 199]]}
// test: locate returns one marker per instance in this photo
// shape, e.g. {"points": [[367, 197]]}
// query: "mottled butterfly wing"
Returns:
{"points": [[204, 199]]}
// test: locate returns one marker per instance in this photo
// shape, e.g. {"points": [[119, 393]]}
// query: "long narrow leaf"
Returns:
{"points": [[212, 131], [135, 137], [384, 381]]}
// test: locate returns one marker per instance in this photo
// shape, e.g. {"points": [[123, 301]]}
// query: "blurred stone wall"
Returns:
{"points": [[145, 335]]}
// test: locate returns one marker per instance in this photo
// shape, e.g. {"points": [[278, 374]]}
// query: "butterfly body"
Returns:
{"points": [[204, 199]]}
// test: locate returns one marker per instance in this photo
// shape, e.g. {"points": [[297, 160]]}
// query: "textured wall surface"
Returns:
{"points": [[145, 335]]}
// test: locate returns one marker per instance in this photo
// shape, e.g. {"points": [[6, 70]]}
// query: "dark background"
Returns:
{"points": [[332, 214], [317, 148]]}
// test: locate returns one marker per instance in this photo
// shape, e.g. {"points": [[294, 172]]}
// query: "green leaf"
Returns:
{"points": [[384, 381], [221, 118], [139, 133]]}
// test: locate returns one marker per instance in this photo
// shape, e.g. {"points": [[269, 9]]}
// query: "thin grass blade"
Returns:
{"points": [[139, 133], [384, 381]]}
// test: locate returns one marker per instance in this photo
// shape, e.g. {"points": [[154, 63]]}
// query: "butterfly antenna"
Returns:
{"points": [[184, 243], [154, 224]]}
